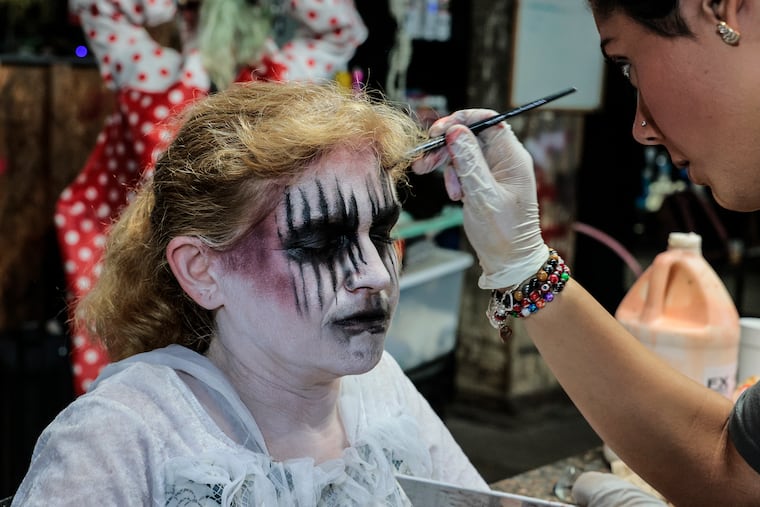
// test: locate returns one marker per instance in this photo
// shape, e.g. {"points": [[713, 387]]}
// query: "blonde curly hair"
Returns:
{"points": [[226, 169]]}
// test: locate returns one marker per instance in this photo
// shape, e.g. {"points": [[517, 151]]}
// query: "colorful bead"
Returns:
{"points": [[529, 296]]}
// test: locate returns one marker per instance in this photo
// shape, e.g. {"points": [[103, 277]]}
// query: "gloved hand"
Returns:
{"points": [[598, 489], [492, 174]]}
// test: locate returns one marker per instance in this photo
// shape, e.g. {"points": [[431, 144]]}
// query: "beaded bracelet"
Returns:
{"points": [[529, 296]]}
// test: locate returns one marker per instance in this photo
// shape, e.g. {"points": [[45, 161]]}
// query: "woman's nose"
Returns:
{"points": [[645, 130], [373, 267]]}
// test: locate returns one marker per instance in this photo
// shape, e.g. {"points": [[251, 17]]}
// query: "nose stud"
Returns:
{"points": [[643, 123]]}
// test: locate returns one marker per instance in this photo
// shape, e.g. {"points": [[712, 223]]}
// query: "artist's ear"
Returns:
{"points": [[724, 10], [193, 266]]}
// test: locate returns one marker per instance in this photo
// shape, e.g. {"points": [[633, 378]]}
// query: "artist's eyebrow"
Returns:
{"points": [[603, 46]]}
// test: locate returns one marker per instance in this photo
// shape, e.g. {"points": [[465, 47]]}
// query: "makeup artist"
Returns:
{"points": [[695, 66], [153, 76], [245, 296]]}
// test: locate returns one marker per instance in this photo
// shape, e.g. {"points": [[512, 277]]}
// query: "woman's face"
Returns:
{"points": [[311, 290], [698, 97]]}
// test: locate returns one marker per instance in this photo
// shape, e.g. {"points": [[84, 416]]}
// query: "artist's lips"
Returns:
{"points": [[371, 321]]}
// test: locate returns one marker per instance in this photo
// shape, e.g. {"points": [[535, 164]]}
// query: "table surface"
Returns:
{"points": [[539, 482]]}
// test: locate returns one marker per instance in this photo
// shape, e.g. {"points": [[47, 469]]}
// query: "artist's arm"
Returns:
{"points": [[668, 428]]}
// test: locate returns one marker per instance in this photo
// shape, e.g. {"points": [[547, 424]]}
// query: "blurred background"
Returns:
{"points": [[602, 197]]}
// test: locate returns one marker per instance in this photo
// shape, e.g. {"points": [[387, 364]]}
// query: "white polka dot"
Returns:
{"points": [[112, 164], [176, 96], [146, 128], [83, 283], [120, 149], [91, 193], [139, 147], [79, 341], [100, 240], [86, 225], [133, 119], [77, 208], [103, 179], [59, 220], [165, 135], [77, 369], [86, 384], [113, 195], [71, 237], [131, 166], [70, 266], [161, 112], [146, 101], [134, 95], [66, 194], [101, 138], [84, 253], [104, 210], [97, 270], [91, 356]]}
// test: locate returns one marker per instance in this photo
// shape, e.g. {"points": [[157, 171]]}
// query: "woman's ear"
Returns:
{"points": [[192, 265], [724, 10]]}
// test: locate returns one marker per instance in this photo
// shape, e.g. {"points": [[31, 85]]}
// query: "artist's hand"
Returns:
{"points": [[598, 489], [492, 174]]}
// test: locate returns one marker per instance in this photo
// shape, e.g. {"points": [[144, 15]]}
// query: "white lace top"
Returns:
{"points": [[141, 437]]}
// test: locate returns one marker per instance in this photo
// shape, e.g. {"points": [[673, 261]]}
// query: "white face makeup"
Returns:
{"points": [[312, 288]]}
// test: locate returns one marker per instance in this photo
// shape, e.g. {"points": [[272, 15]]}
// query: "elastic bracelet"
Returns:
{"points": [[529, 296]]}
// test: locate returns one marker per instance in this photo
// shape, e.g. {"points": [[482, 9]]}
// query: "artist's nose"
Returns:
{"points": [[372, 267], [645, 129]]}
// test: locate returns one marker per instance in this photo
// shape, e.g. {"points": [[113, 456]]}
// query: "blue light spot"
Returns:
{"points": [[81, 51]]}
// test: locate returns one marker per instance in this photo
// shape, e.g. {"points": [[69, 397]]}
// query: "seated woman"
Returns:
{"points": [[245, 296]]}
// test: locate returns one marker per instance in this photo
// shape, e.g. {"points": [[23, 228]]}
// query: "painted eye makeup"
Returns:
{"points": [[382, 225], [318, 241]]}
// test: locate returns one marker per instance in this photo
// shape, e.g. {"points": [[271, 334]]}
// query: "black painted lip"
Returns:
{"points": [[373, 321]]}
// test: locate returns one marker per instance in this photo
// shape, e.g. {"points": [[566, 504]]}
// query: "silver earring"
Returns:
{"points": [[643, 123], [728, 34]]}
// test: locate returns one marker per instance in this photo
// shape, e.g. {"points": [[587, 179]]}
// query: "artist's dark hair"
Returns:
{"points": [[225, 171], [663, 17]]}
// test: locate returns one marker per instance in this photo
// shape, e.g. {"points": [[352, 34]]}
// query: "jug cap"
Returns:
{"points": [[685, 241]]}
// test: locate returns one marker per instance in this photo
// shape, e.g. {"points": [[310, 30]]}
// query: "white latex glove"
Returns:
{"points": [[492, 174], [598, 489]]}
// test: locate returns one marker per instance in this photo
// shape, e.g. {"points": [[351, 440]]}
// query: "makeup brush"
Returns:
{"points": [[476, 127]]}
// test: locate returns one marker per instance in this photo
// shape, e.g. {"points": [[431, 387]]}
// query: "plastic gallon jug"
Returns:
{"points": [[681, 310]]}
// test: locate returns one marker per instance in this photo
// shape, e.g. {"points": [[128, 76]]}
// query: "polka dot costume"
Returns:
{"points": [[152, 83]]}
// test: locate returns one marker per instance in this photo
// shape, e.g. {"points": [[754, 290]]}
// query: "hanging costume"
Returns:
{"points": [[152, 83]]}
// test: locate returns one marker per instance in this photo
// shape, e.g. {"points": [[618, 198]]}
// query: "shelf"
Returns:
{"points": [[450, 216]]}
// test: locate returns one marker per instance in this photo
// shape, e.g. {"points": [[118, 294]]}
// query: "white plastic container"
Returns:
{"points": [[749, 348], [424, 327], [681, 310]]}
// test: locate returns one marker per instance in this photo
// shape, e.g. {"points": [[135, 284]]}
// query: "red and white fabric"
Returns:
{"points": [[152, 83]]}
